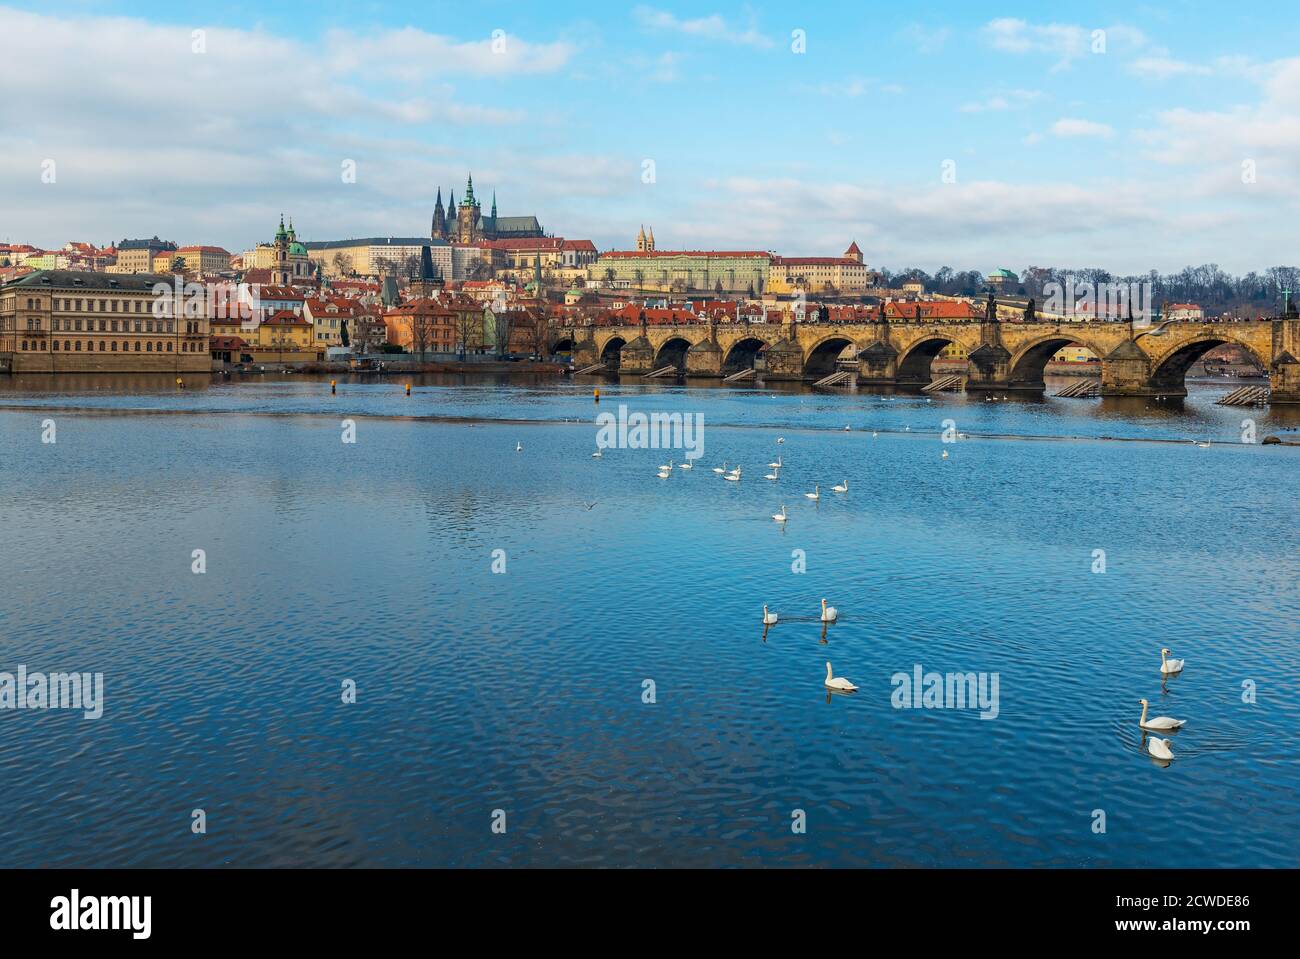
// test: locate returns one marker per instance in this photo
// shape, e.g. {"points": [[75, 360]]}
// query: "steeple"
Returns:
{"points": [[438, 230], [650, 239], [494, 209], [640, 240], [469, 192]]}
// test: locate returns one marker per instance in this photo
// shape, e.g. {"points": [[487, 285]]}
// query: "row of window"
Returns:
{"points": [[67, 324], [74, 346], [105, 306]]}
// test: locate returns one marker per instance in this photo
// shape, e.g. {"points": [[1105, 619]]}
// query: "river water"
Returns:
{"points": [[571, 649]]}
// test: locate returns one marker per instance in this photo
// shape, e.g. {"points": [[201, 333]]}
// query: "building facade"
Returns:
{"points": [[819, 274], [64, 321], [139, 256], [682, 271]]}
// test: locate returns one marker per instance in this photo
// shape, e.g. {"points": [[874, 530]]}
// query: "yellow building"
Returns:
{"points": [[203, 260], [819, 274], [69, 321], [141, 256]]}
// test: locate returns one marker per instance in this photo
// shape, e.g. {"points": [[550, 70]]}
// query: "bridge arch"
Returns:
{"points": [[819, 360], [672, 352], [611, 352], [1028, 363], [742, 354], [1169, 369], [563, 345], [914, 364]]}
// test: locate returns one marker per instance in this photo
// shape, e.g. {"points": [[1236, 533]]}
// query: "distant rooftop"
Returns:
{"points": [[86, 280]]}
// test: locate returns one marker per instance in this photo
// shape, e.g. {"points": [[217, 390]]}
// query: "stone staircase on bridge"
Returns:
{"points": [[744, 376], [1246, 396], [952, 382], [588, 370], [660, 373], [1084, 388], [837, 378]]}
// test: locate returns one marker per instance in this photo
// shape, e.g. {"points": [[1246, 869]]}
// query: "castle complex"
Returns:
{"points": [[465, 223]]}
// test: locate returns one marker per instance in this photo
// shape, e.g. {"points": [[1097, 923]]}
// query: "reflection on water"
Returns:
{"points": [[524, 690], [545, 397]]}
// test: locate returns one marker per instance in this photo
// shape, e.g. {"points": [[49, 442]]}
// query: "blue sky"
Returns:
{"points": [[1173, 140]]}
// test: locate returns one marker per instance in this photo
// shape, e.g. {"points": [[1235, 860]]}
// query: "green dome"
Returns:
{"points": [[298, 249]]}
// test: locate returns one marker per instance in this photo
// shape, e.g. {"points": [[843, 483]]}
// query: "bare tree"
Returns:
{"points": [[469, 330], [503, 325]]}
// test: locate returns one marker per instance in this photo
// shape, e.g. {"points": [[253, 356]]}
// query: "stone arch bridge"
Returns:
{"points": [[1136, 361]]}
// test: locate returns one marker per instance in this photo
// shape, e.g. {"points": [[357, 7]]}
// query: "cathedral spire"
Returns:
{"points": [[469, 191]]}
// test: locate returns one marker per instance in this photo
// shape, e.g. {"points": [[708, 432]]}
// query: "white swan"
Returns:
{"points": [[1169, 666], [1158, 722], [1203, 446], [780, 517], [874, 434], [837, 682], [663, 474], [734, 476], [815, 494], [669, 467], [842, 488], [772, 475], [597, 455], [829, 613], [519, 447], [780, 439], [769, 619], [686, 466], [776, 465], [1159, 748], [945, 454], [721, 469]]}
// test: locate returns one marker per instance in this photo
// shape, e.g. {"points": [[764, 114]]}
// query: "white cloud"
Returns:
{"points": [[1161, 68], [1071, 127], [713, 27], [1066, 42], [925, 39], [1014, 100]]}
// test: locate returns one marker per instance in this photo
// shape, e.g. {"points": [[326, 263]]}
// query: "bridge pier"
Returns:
{"points": [[878, 364], [637, 357], [704, 359], [784, 361], [1284, 371], [1126, 371], [584, 350]]}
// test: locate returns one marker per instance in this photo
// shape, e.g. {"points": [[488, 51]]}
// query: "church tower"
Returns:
{"points": [[640, 240], [467, 215], [650, 241], [280, 267], [438, 231]]}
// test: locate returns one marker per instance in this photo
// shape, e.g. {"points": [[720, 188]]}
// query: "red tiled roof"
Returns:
{"points": [[285, 318], [934, 310], [657, 253], [813, 261]]}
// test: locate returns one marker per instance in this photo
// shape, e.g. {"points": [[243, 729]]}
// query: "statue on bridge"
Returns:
{"points": [[1029, 311], [642, 320], [990, 309]]}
